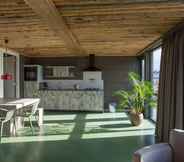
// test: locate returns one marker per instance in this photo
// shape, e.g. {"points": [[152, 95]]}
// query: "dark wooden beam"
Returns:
{"points": [[157, 43]]}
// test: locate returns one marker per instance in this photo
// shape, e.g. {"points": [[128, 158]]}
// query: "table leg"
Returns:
{"points": [[40, 116]]}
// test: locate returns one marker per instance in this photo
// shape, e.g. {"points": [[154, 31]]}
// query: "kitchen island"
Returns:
{"points": [[66, 99]]}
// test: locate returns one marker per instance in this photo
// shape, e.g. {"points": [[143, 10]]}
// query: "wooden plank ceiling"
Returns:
{"points": [[57, 28]]}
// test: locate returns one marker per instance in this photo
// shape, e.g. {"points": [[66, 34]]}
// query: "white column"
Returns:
{"points": [[17, 75], [1, 72]]}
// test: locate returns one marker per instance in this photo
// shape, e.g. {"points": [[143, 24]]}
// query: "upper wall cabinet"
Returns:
{"points": [[59, 72]]}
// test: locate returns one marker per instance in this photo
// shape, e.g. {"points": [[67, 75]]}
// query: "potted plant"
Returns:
{"points": [[140, 97]]}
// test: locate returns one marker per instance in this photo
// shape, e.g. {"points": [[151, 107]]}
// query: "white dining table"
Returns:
{"points": [[17, 104]]}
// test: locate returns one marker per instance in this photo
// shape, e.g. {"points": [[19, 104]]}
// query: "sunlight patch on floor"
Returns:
{"points": [[105, 115], [59, 117], [35, 138], [117, 126], [117, 134], [48, 129]]}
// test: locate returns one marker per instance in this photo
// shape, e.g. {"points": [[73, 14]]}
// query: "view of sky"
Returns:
{"points": [[156, 59]]}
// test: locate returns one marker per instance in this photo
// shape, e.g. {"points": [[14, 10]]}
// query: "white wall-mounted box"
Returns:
{"points": [[92, 75]]}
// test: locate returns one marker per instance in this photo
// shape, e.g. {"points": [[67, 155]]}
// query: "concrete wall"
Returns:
{"points": [[114, 70]]}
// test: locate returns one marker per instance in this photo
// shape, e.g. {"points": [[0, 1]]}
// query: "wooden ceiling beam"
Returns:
{"points": [[105, 2], [115, 9], [47, 11]]}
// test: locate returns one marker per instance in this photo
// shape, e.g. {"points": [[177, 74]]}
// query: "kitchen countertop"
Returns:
{"points": [[70, 90]]}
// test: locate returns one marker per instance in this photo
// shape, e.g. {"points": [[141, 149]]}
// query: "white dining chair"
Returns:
{"points": [[29, 112], [6, 116]]}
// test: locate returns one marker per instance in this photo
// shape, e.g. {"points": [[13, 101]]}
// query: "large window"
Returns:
{"points": [[156, 58]]}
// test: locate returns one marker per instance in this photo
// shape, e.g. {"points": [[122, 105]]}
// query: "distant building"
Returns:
{"points": [[156, 75]]}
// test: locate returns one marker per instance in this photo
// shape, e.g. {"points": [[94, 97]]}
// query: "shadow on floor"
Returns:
{"points": [[121, 125], [88, 120]]}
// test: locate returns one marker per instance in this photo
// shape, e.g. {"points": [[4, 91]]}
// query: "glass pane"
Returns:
{"points": [[155, 77], [142, 69]]}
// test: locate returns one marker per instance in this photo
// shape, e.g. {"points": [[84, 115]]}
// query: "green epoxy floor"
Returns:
{"points": [[78, 137]]}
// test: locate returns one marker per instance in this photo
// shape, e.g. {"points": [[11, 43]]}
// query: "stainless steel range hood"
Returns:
{"points": [[92, 66]]}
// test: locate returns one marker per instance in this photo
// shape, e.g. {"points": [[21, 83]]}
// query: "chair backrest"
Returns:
{"points": [[6, 115], [34, 108], [28, 110], [177, 143]]}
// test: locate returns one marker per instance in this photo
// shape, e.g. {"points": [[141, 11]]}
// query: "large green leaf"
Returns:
{"points": [[141, 94]]}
